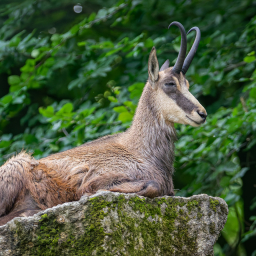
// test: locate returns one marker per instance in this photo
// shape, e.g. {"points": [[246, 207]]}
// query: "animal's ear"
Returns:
{"points": [[165, 65], [153, 67]]}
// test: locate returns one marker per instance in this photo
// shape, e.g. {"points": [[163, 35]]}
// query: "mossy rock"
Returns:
{"points": [[119, 224]]}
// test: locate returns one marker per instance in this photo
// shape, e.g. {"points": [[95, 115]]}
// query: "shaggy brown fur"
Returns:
{"points": [[139, 160]]}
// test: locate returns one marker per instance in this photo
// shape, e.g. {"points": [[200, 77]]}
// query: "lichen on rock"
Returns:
{"points": [[119, 224]]}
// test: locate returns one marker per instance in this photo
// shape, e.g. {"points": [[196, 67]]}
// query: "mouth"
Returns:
{"points": [[195, 121]]}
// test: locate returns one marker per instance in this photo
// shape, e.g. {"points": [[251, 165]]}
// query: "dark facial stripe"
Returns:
{"points": [[183, 102]]}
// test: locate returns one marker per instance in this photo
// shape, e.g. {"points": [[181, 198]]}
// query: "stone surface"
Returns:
{"points": [[119, 224]]}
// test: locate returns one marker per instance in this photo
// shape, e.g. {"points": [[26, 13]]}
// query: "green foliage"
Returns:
{"points": [[68, 78]]}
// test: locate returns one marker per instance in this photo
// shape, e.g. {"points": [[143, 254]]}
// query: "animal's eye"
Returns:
{"points": [[170, 84]]}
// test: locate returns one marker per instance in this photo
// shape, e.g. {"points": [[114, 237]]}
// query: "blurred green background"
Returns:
{"points": [[70, 73]]}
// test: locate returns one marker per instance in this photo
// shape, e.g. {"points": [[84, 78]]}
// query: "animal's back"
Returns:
{"points": [[105, 154]]}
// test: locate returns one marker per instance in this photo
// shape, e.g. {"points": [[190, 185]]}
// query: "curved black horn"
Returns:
{"points": [[183, 47], [192, 51]]}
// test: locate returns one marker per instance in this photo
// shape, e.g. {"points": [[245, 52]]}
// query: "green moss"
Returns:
{"points": [[47, 237], [213, 204], [192, 204], [212, 227], [224, 209], [199, 215], [142, 205], [137, 235]]}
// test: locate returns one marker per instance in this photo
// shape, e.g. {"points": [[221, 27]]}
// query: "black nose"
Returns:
{"points": [[202, 114]]}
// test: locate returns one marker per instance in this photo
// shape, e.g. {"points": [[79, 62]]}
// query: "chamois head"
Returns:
{"points": [[171, 88]]}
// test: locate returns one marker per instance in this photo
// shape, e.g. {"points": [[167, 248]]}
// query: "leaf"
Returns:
{"points": [[81, 43], [67, 108], [13, 80], [125, 117], [92, 16], [248, 235], [74, 29], [54, 147], [253, 93], [24, 76], [231, 198], [15, 88], [101, 14], [56, 126], [87, 112], [35, 53], [240, 174], [19, 100], [253, 206], [251, 144], [231, 228], [218, 77], [225, 181], [55, 37], [49, 62], [113, 51], [30, 138], [112, 99], [76, 83], [251, 53], [29, 66], [81, 126], [5, 144], [129, 104], [249, 59], [200, 148], [107, 94], [48, 112], [15, 41], [33, 84], [6, 99], [243, 79], [227, 167], [136, 90], [149, 43], [120, 109]]}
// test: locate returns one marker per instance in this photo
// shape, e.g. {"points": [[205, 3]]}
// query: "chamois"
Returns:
{"points": [[139, 160]]}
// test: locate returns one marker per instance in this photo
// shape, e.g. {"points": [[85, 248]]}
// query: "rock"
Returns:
{"points": [[119, 224]]}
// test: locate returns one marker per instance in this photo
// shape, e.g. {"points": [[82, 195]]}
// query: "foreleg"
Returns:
{"points": [[121, 183], [147, 188]]}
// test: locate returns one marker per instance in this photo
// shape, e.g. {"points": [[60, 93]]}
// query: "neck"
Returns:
{"points": [[150, 135]]}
